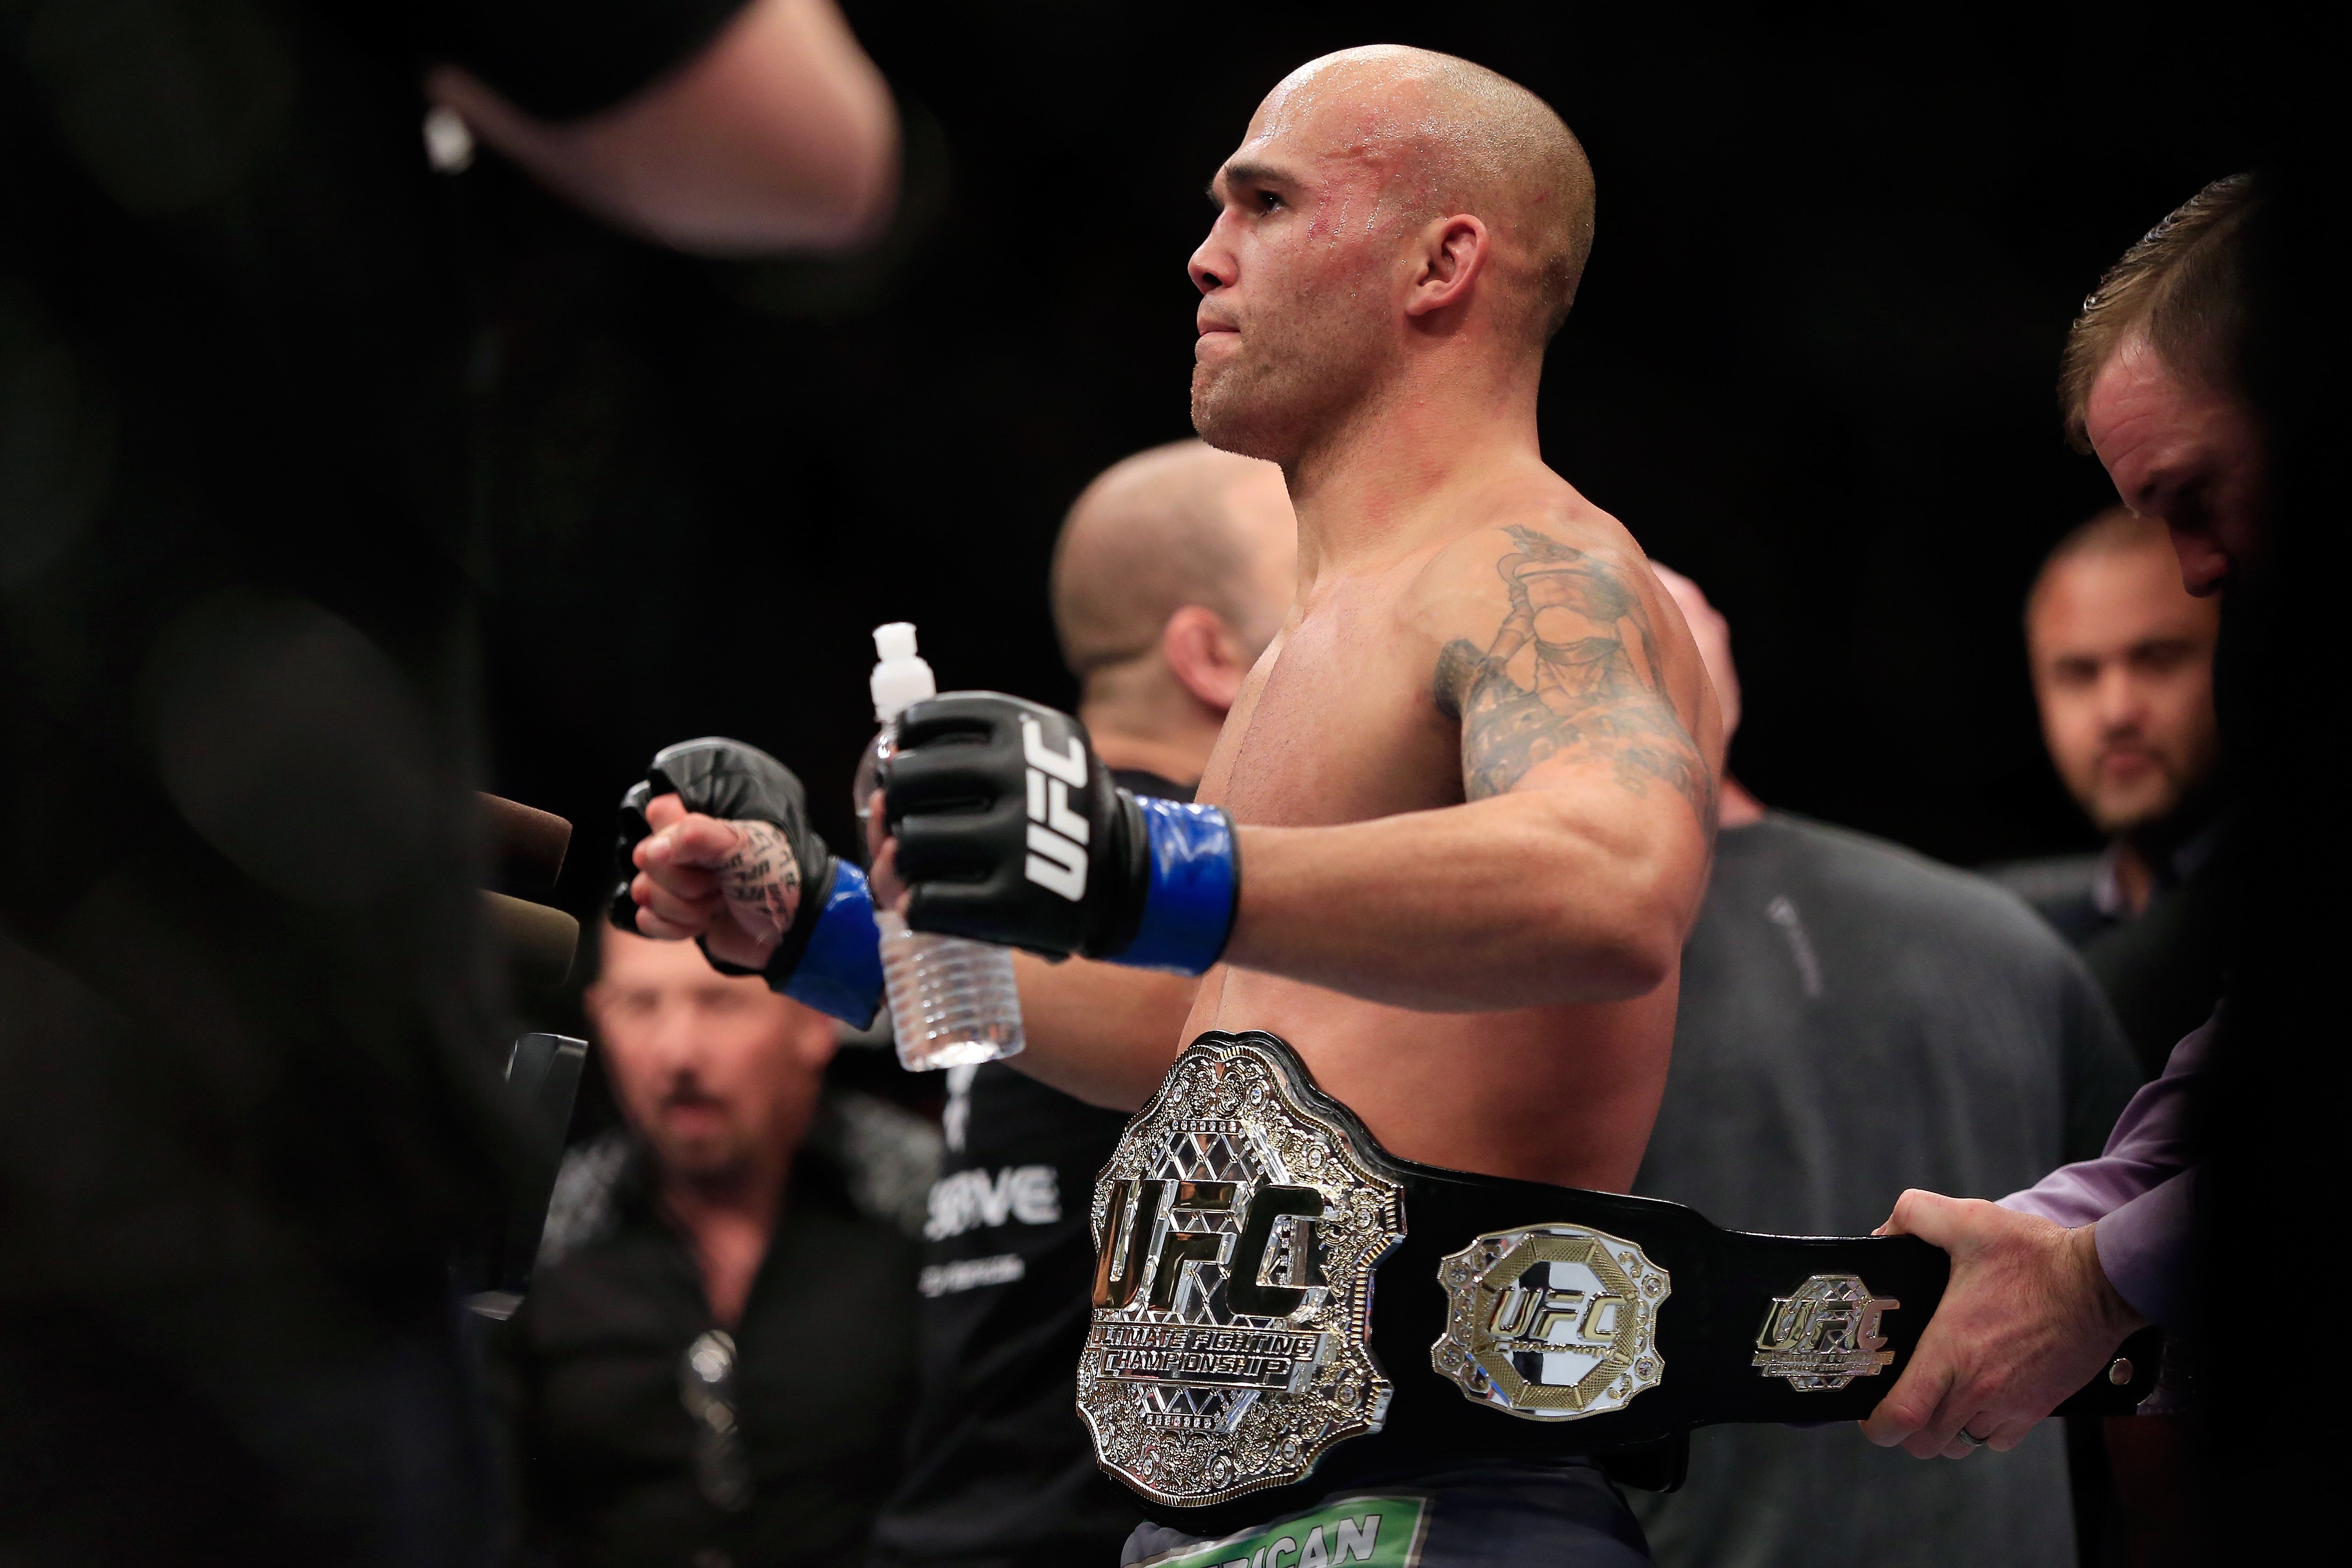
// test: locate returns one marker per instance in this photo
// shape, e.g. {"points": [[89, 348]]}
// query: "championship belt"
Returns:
{"points": [[1237, 1349]]}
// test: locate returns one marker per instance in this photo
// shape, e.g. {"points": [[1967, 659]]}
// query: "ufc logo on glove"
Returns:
{"points": [[1057, 835]]}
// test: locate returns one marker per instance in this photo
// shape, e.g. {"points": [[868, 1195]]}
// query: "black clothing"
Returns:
{"points": [[2161, 969], [1000, 1467], [2065, 889], [588, 1374], [1855, 1021], [249, 1047]]}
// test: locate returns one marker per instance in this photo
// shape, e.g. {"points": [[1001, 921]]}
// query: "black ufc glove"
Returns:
{"points": [[1010, 831], [828, 957]]}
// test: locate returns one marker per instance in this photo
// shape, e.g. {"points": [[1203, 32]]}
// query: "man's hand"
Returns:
{"points": [[736, 885], [2029, 1318], [1002, 825], [715, 845]]}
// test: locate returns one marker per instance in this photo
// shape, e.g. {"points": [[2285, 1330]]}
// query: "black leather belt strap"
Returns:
{"points": [[1282, 1308]]}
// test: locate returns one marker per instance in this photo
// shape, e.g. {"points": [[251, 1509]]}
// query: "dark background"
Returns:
{"points": [[1811, 365]]}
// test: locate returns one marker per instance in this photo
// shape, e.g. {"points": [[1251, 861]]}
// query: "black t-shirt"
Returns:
{"points": [[248, 1040], [1000, 1469], [588, 1374]]}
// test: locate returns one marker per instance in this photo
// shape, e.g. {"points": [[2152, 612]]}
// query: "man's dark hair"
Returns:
{"points": [[2183, 287]]}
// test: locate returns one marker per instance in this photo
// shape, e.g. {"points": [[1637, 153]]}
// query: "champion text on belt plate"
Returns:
{"points": [[1238, 1229]]}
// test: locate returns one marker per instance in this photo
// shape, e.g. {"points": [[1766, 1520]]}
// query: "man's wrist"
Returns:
{"points": [[838, 969], [2081, 1245], [1191, 887]]}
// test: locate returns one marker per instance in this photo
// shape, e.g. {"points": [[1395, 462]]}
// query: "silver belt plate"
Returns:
{"points": [[1236, 1230]]}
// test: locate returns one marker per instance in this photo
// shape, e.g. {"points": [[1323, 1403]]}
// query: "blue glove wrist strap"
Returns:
{"points": [[1188, 904], [840, 971]]}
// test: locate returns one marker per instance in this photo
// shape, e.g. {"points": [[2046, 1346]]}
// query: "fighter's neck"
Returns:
{"points": [[1389, 478]]}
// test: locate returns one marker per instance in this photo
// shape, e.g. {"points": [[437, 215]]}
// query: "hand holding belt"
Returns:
{"points": [[1238, 1365]]}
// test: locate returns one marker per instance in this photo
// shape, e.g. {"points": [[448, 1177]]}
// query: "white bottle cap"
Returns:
{"points": [[900, 678]]}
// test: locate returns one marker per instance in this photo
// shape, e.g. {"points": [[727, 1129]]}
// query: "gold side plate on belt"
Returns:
{"points": [[1551, 1322], [1236, 1228]]}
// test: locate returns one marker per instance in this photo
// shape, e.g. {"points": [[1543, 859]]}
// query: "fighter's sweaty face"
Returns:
{"points": [[1293, 274]]}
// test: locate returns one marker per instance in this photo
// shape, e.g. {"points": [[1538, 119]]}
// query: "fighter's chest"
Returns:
{"points": [[1338, 724]]}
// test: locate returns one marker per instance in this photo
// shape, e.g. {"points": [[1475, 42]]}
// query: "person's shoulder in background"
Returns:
{"points": [[2061, 889], [1955, 939], [1876, 881]]}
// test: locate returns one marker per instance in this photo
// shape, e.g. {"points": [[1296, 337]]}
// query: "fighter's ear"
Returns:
{"points": [[1449, 258]]}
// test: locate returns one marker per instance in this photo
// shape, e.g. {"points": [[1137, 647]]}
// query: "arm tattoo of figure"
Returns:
{"points": [[762, 879], [1573, 671]]}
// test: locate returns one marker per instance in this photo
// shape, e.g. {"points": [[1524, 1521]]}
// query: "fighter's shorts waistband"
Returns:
{"points": [[1280, 1304]]}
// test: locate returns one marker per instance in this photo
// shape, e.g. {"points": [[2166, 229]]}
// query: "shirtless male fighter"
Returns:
{"points": [[1458, 822]]}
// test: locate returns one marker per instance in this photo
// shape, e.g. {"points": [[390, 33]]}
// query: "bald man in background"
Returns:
{"points": [[1169, 579]]}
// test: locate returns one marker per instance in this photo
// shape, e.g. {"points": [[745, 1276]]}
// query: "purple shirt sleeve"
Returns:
{"points": [[2140, 1192]]}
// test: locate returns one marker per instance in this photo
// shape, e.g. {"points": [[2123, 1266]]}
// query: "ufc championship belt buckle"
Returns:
{"points": [[1237, 1229], [1241, 1222]]}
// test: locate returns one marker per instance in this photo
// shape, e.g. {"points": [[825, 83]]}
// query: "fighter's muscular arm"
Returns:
{"points": [[1575, 864]]}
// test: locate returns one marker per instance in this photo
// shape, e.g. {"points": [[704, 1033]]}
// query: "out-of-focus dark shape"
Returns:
{"points": [[537, 942], [542, 1083], [526, 844], [2284, 1081], [249, 1043], [293, 745], [1856, 1020]]}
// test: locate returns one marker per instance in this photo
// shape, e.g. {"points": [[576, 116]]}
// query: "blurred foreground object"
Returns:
{"points": [[526, 854], [542, 1081], [250, 1044], [1855, 1021]]}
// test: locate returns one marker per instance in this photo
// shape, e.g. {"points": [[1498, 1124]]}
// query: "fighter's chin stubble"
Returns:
{"points": [[1279, 394], [1231, 411]]}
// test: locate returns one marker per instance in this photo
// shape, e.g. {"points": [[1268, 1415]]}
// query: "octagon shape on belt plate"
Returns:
{"points": [[1551, 1322]]}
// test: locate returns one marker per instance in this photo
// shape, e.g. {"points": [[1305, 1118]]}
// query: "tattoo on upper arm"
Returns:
{"points": [[1573, 671]]}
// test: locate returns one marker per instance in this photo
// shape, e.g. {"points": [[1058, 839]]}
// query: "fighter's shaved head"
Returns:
{"points": [[1457, 138], [1178, 524]]}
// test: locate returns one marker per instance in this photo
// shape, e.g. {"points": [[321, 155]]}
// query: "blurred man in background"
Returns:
{"points": [[249, 1039], [1855, 1021], [1171, 577], [716, 1360], [2122, 671]]}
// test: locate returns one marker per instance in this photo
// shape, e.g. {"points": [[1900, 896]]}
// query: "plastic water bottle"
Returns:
{"points": [[953, 1002]]}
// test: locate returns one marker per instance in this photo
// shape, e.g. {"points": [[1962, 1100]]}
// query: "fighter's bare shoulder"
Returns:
{"points": [[1559, 650]]}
